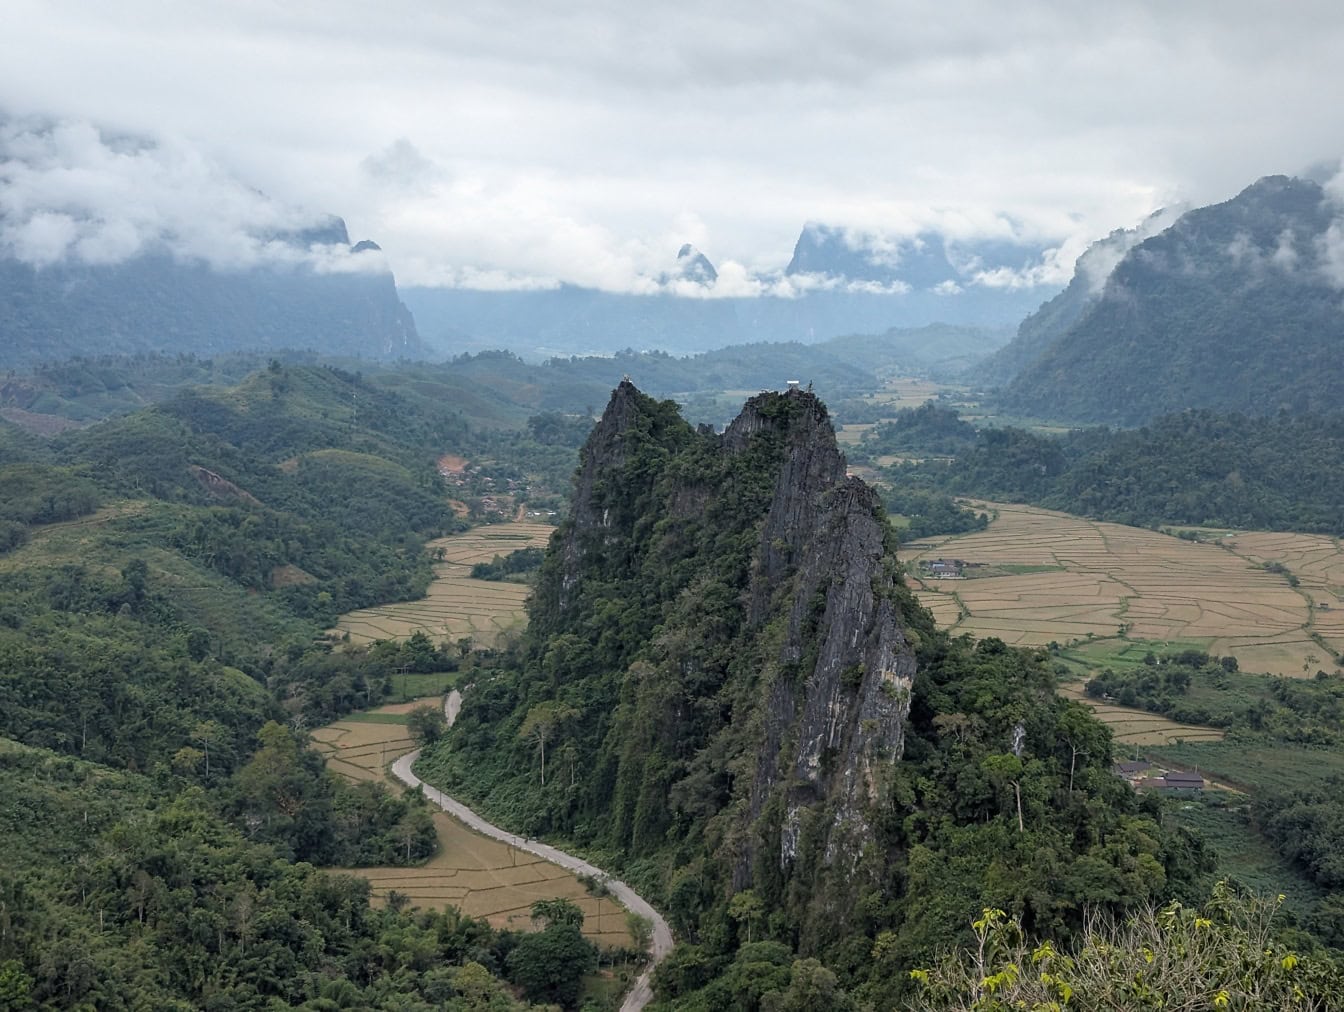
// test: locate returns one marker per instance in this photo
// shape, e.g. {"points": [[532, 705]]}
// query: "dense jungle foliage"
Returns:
{"points": [[165, 578], [118, 893], [1284, 739], [1279, 472]]}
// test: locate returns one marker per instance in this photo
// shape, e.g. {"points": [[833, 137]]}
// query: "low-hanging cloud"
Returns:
{"points": [[1096, 263], [72, 193], [564, 144], [1330, 245]]}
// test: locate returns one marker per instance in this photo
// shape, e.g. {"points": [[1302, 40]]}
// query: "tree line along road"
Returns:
{"points": [[642, 991]]}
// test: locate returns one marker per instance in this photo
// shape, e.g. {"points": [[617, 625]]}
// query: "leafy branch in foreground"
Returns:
{"points": [[1227, 956]]}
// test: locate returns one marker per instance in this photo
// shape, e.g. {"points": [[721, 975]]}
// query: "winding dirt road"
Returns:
{"points": [[642, 992]]}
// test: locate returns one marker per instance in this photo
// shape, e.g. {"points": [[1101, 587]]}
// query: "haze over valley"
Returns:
{"points": [[517, 508]]}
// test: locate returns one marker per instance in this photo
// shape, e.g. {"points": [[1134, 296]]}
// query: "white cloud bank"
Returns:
{"points": [[524, 144], [69, 192]]}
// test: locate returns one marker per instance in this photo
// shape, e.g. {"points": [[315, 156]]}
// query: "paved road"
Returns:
{"points": [[642, 993]]}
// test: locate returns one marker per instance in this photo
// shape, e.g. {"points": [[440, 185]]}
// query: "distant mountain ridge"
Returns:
{"points": [[161, 302], [1237, 306], [924, 261], [837, 283], [1038, 331], [119, 244]]}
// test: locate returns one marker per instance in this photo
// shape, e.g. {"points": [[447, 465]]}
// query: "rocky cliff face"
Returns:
{"points": [[767, 666]]}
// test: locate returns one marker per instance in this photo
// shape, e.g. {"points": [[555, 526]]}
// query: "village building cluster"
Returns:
{"points": [[1144, 777]]}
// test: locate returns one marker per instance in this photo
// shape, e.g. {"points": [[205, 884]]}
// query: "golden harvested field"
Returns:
{"points": [[1318, 563], [1138, 727], [909, 392], [483, 877], [1116, 581], [456, 605], [849, 435], [362, 751]]}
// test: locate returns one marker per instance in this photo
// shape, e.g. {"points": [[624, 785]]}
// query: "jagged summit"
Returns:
{"points": [[757, 580], [692, 265], [741, 702]]}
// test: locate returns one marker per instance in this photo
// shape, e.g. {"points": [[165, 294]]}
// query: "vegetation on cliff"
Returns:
{"points": [[729, 695]]}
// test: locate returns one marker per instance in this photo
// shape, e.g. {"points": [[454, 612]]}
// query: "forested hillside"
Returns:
{"points": [[1197, 467], [494, 389], [165, 579], [728, 694], [157, 302], [1235, 307]]}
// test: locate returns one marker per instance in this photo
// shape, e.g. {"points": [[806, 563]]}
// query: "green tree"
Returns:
{"points": [[640, 929], [426, 724], [15, 987], [540, 725], [1225, 956], [748, 909], [811, 986], [549, 965], [548, 913]]}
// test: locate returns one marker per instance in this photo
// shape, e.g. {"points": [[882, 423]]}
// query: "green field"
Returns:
{"points": [[374, 717], [1223, 822], [409, 685], [1117, 653]]}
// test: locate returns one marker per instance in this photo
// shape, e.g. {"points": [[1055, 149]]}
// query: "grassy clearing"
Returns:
{"points": [[408, 687], [483, 877], [1068, 580], [1117, 653], [374, 717], [1012, 569], [456, 606], [1224, 823]]}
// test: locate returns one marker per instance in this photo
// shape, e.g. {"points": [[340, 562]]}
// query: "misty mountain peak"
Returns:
{"points": [[692, 265], [329, 231], [923, 261]]}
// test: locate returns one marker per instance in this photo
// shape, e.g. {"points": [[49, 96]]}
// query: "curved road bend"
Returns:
{"points": [[642, 992]]}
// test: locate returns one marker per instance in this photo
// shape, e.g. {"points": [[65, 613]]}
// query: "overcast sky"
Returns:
{"points": [[499, 143]]}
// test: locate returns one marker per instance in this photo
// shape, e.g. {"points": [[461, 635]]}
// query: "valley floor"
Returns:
{"points": [[1052, 577]]}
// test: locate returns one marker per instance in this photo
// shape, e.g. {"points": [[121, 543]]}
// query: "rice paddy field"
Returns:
{"points": [[1079, 580], [1317, 562], [456, 605], [1131, 727], [482, 877]]}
